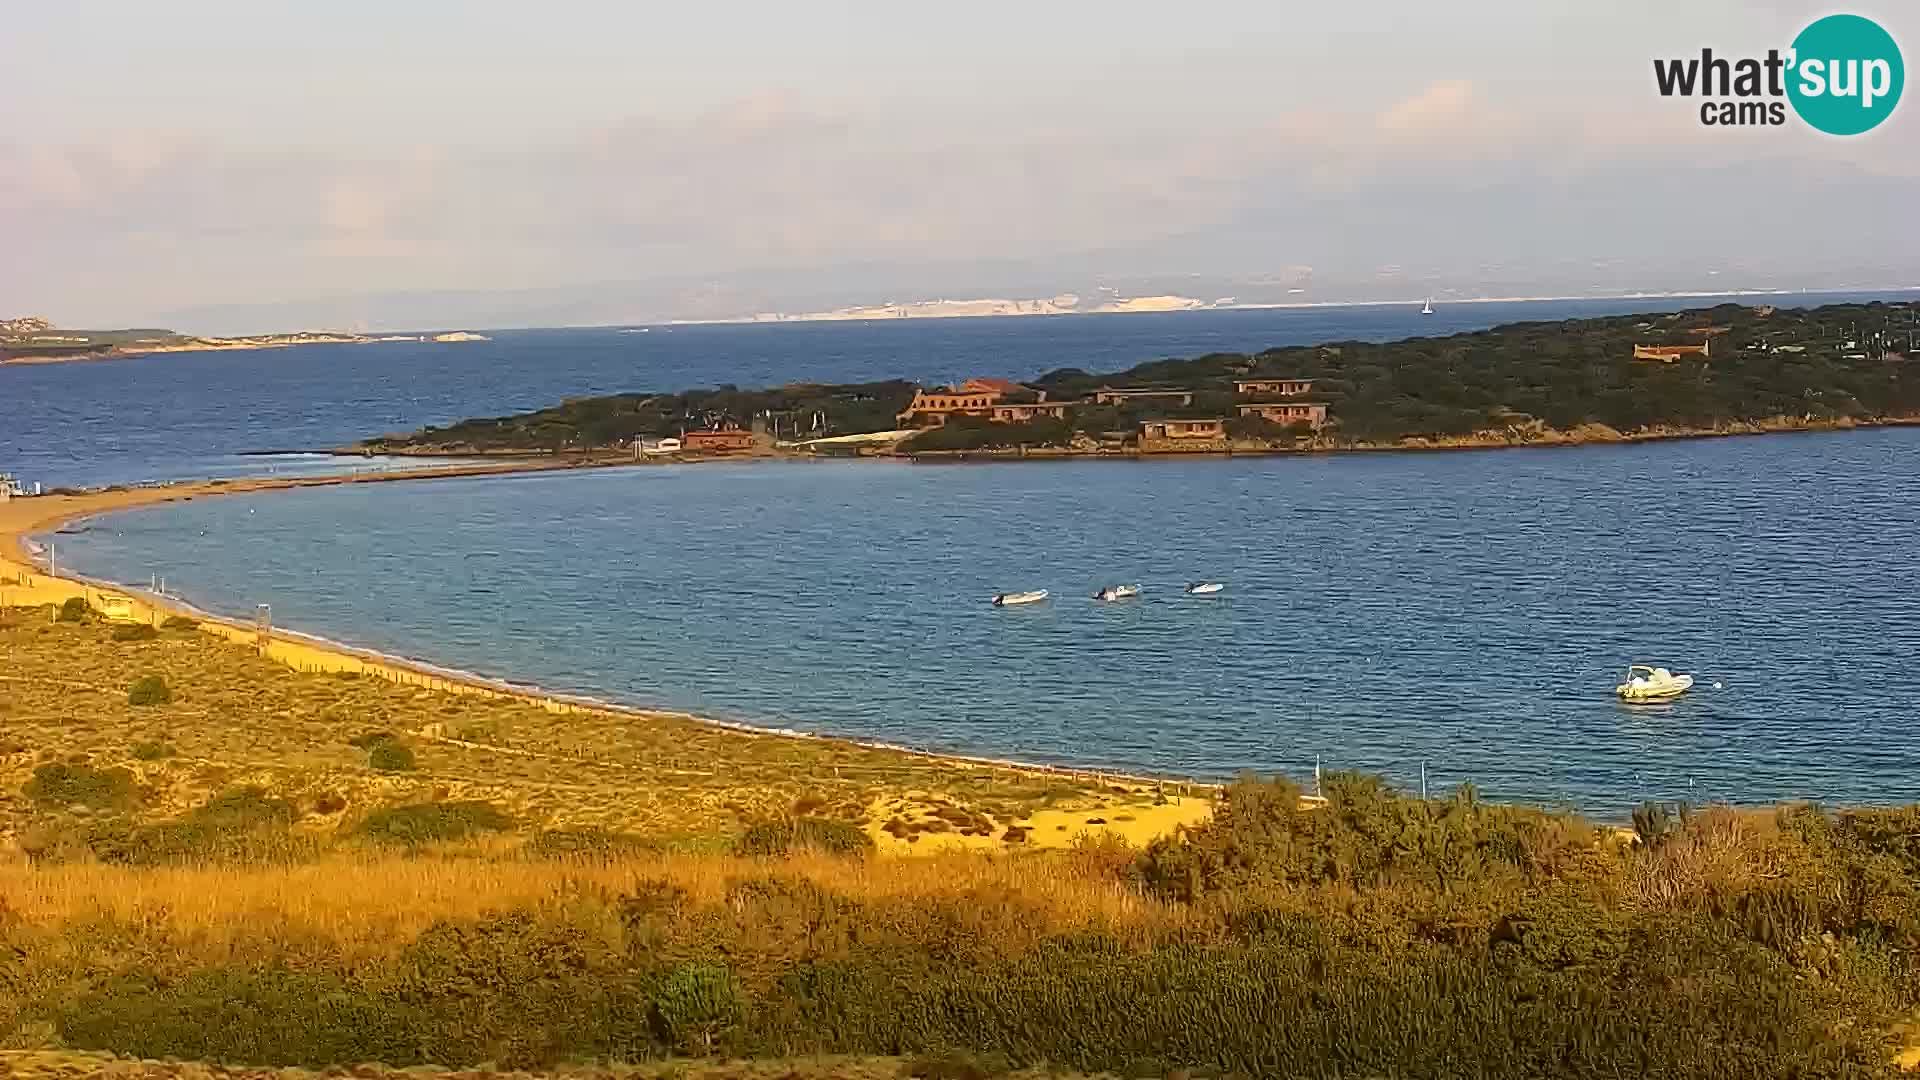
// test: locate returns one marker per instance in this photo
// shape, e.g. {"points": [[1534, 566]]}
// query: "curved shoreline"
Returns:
{"points": [[23, 583]]}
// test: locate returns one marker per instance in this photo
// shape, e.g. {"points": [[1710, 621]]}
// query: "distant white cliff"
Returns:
{"points": [[988, 307]]}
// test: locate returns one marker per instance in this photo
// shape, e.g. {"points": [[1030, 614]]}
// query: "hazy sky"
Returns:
{"points": [[156, 158]]}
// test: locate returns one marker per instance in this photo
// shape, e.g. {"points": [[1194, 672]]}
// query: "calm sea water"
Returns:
{"points": [[1471, 611], [192, 415]]}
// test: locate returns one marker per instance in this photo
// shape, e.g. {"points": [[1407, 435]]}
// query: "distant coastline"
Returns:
{"points": [[82, 346], [1012, 308], [939, 309]]}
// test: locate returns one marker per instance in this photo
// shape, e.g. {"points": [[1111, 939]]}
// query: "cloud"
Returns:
{"points": [[1440, 109], [776, 181]]}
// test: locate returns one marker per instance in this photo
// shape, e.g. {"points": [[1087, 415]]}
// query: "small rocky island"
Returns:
{"points": [[1728, 369]]}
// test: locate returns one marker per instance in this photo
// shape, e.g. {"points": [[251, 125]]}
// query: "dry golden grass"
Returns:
{"points": [[57, 1065], [1721, 853], [239, 718], [374, 903]]}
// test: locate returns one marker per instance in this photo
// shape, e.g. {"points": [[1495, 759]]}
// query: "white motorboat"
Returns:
{"points": [[1118, 592], [1205, 588], [1646, 683], [1011, 599]]}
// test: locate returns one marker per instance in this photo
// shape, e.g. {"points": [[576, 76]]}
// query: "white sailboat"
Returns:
{"points": [[1428, 309]]}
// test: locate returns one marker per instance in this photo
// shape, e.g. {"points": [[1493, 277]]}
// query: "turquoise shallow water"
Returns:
{"points": [[1466, 610]]}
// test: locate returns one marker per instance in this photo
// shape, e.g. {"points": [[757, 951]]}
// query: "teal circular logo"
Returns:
{"points": [[1846, 75]]}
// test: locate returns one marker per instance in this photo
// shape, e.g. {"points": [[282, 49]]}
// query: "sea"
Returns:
{"points": [[1434, 617]]}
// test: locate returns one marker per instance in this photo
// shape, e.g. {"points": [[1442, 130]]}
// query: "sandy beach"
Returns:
{"points": [[24, 583]]}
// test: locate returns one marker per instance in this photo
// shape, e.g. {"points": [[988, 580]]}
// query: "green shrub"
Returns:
{"points": [[426, 823], [1365, 835], [781, 836], [178, 622], [135, 632], [245, 808], [961, 1065], [67, 784], [74, 609], [522, 988], [151, 750], [1654, 824], [1255, 426], [970, 433], [367, 740], [693, 1006], [149, 690], [272, 1016], [51, 842], [1893, 831], [238, 825], [590, 845], [391, 757]]}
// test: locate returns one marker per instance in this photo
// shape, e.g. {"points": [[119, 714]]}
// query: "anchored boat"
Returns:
{"points": [[1204, 588], [1118, 592], [1012, 599], [1646, 683]]}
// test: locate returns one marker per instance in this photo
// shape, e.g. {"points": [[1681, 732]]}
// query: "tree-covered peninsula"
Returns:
{"points": [[1730, 368]]}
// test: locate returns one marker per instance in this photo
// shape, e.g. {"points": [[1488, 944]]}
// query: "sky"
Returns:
{"points": [[253, 164]]}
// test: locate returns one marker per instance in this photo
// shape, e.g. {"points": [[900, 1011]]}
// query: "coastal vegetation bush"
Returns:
{"points": [[243, 825], [74, 609], [135, 632], [1256, 427], [390, 756], [1102, 420], [149, 690], [590, 844], [693, 1006], [240, 826], [178, 622], [150, 750], [785, 835], [806, 409], [970, 433], [418, 824], [65, 784]]}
